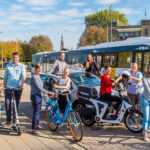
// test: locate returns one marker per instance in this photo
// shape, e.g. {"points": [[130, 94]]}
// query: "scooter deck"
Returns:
{"points": [[10, 127]]}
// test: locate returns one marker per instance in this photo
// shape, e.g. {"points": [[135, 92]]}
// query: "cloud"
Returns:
{"points": [[87, 12], [26, 23], [17, 7], [27, 18], [39, 2], [44, 8], [128, 11], [70, 13], [75, 21], [75, 12], [107, 1], [76, 4]]}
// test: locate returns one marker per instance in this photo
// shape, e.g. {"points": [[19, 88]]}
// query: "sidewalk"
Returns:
{"points": [[107, 137], [11, 141], [47, 140]]}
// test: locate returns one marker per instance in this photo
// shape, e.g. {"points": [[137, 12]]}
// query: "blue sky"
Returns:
{"points": [[22, 19]]}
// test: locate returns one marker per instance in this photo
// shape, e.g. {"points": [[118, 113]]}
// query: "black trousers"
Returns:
{"points": [[62, 102], [111, 98]]}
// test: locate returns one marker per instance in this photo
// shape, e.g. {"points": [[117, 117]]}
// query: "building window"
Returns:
{"points": [[137, 33], [132, 33], [126, 34], [146, 32], [121, 34]]}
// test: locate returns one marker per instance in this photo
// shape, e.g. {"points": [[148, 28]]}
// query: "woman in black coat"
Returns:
{"points": [[91, 65]]}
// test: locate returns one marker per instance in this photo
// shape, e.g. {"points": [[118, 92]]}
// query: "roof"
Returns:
{"points": [[127, 42], [42, 53]]}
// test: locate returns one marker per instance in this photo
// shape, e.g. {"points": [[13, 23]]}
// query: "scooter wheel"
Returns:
{"points": [[133, 121], [18, 129], [88, 117]]}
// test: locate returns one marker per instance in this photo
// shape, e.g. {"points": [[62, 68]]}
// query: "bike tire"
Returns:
{"points": [[75, 121], [53, 126], [128, 116]]}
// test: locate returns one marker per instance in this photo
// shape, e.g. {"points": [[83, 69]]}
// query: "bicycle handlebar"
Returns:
{"points": [[63, 92]]}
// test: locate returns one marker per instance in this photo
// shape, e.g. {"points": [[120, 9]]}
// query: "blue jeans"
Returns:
{"points": [[8, 99], [36, 103], [146, 113]]}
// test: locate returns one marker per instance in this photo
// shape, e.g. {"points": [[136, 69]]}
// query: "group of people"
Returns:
{"points": [[15, 75], [137, 86]]}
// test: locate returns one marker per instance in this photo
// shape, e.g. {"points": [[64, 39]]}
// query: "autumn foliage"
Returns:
{"points": [[40, 43], [93, 35], [25, 49]]}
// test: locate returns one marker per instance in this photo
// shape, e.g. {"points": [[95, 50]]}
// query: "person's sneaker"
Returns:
{"points": [[146, 138], [35, 132], [7, 124], [39, 127]]}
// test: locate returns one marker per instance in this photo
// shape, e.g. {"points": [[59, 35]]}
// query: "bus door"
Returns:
{"points": [[94, 57], [99, 60], [138, 60]]}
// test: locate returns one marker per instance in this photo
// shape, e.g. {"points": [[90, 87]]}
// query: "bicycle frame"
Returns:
{"points": [[58, 119]]}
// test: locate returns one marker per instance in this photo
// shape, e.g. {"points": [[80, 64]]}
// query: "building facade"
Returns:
{"points": [[123, 32]]}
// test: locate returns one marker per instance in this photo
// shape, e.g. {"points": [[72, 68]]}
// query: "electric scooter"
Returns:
{"points": [[100, 111], [15, 126]]}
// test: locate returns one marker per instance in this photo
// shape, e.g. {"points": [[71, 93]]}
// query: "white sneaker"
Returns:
{"points": [[146, 138]]}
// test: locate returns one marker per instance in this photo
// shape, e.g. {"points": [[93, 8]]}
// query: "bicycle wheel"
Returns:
{"points": [[53, 126], [75, 125]]}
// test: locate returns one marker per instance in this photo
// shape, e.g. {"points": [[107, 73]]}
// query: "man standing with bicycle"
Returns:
{"points": [[14, 76]]}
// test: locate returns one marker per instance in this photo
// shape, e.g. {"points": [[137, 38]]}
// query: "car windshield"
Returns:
{"points": [[44, 76], [85, 78]]}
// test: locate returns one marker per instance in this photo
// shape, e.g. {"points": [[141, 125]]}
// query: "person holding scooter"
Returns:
{"points": [[14, 77], [105, 89]]}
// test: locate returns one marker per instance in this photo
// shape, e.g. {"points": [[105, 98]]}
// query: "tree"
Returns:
{"points": [[103, 18], [40, 43], [25, 50], [92, 35]]}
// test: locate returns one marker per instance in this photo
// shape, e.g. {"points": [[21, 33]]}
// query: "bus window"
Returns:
{"points": [[41, 60], [45, 60], [110, 59], [138, 59], [124, 59], [99, 59], [146, 60]]}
